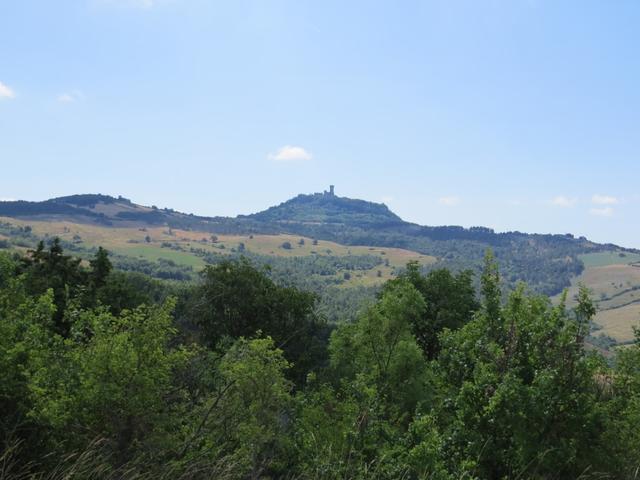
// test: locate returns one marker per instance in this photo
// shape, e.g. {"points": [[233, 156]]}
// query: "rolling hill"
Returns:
{"points": [[323, 241]]}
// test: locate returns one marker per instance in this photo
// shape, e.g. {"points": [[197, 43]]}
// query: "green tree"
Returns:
{"points": [[622, 437], [355, 428], [491, 293], [113, 381], [256, 406], [100, 269], [51, 269], [450, 303], [382, 348], [520, 388], [237, 300], [26, 323]]}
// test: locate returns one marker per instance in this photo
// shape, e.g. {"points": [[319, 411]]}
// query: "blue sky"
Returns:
{"points": [[518, 115]]}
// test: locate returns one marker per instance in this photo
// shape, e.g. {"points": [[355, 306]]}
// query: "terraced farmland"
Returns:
{"points": [[614, 281]]}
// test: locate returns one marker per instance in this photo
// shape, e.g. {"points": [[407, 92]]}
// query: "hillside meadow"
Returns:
{"points": [[614, 282], [177, 245]]}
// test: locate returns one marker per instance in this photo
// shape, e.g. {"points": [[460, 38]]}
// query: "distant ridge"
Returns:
{"points": [[309, 211], [546, 262]]}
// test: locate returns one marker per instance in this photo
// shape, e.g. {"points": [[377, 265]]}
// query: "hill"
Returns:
{"points": [[546, 262], [327, 208], [322, 241]]}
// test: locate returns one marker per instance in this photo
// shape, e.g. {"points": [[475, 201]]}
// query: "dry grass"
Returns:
{"points": [[608, 280], [94, 463], [618, 323], [612, 285], [602, 259], [622, 299], [131, 241]]}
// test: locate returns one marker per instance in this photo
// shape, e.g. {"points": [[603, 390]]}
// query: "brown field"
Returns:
{"points": [[131, 241], [622, 299], [607, 280], [612, 287], [618, 323]]}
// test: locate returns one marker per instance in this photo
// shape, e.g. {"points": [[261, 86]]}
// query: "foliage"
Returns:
{"points": [[112, 380], [237, 300], [51, 269], [108, 374], [521, 397], [381, 349], [450, 303]]}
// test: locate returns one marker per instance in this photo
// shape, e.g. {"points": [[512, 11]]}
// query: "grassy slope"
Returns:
{"points": [[609, 258], [614, 281], [132, 242]]}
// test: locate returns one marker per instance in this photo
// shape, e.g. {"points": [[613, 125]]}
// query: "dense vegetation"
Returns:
{"points": [[112, 374]]}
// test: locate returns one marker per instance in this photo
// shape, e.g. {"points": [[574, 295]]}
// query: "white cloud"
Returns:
{"points": [[6, 199], [451, 201], [602, 212], [70, 97], [604, 200], [6, 92], [290, 153], [128, 3], [564, 202]]}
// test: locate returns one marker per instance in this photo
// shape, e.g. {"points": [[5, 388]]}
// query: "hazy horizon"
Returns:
{"points": [[213, 214]]}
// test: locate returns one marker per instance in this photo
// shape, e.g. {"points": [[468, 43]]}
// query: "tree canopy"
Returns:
{"points": [[104, 374]]}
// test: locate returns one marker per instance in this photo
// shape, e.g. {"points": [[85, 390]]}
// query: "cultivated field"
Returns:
{"points": [[618, 323], [614, 281], [153, 243]]}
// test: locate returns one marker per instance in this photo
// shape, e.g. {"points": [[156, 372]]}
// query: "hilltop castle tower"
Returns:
{"points": [[331, 192]]}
